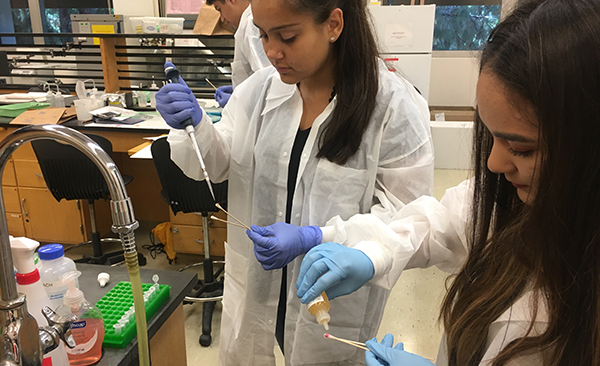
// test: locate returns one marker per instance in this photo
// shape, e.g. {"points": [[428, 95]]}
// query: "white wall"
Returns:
{"points": [[454, 73], [143, 8], [453, 79]]}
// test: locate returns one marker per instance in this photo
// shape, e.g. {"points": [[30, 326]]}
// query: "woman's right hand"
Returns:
{"points": [[333, 268], [176, 104]]}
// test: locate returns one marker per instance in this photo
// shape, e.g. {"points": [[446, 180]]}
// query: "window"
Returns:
{"points": [[463, 27], [55, 16], [460, 24], [21, 20]]}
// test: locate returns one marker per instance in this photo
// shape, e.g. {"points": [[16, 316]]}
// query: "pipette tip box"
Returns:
{"points": [[115, 304]]}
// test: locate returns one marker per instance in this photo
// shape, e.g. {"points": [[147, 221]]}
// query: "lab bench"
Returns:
{"points": [[28, 201], [166, 330]]}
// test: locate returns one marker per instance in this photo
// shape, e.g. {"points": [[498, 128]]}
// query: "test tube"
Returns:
{"points": [[118, 328], [155, 286]]}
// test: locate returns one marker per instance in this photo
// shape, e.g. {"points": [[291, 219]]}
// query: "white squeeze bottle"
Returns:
{"points": [[153, 90], [88, 330], [30, 284], [53, 265]]}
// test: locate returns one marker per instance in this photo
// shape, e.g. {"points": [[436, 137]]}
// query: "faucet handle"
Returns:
{"points": [[61, 325]]}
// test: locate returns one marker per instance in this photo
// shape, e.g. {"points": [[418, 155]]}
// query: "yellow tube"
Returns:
{"points": [[131, 259]]}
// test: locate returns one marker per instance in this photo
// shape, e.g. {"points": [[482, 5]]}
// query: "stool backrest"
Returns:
{"points": [[181, 192], [68, 173]]}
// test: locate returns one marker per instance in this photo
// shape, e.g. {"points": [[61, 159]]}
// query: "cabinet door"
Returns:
{"points": [[11, 199], [189, 239], [29, 174], [14, 221], [48, 220]]}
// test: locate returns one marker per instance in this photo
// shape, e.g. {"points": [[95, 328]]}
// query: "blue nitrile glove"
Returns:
{"points": [[384, 354], [176, 103], [223, 94], [278, 244], [333, 268]]}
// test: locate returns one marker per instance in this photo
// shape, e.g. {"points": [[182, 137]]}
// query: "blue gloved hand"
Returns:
{"points": [[335, 269], [278, 244], [223, 94], [176, 103], [385, 354]]}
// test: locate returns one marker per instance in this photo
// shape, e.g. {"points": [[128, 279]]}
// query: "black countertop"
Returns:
{"points": [[181, 284]]}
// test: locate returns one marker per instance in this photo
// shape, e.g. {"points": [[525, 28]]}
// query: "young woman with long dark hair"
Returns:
{"points": [[328, 131], [524, 233]]}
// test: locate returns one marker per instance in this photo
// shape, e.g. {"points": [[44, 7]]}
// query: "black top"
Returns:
{"points": [[297, 148]]}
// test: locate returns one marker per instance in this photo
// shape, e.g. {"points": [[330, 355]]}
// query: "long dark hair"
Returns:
{"points": [[356, 76], [547, 55]]}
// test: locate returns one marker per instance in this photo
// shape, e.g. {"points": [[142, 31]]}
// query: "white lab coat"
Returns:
{"points": [[423, 233], [250, 147], [249, 54]]}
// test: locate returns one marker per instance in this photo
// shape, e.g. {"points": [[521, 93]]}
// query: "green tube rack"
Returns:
{"points": [[117, 301]]}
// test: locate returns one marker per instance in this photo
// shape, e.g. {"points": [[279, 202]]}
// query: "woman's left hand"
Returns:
{"points": [[384, 354], [278, 244]]}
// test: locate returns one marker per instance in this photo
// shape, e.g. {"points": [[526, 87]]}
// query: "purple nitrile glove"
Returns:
{"points": [[176, 103], [222, 94], [385, 354], [278, 244], [335, 269]]}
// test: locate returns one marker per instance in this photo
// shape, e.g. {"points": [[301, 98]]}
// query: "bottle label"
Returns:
{"points": [[78, 325], [316, 301], [84, 347], [88, 335], [47, 361]]}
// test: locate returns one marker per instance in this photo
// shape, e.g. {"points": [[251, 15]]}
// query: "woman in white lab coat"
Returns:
{"points": [[524, 233], [367, 142]]}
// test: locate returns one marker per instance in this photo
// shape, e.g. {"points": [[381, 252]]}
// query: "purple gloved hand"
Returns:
{"points": [[176, 103], [278, 244], [223, 94]]}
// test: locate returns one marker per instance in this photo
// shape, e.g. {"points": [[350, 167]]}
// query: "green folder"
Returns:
{"points": [[13, 110]]}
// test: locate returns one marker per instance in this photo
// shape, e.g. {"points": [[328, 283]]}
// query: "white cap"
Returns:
{"points": [[103, 278], [22, 250], [323, 318], [74, 296]]}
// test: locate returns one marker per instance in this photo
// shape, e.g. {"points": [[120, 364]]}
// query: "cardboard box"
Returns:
{"points": [[209, 22], [49, 115], [459, 114]]}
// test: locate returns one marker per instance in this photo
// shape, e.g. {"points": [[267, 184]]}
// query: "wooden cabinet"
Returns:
{"points": [[31, 209], [48, 220], [188, 236]]}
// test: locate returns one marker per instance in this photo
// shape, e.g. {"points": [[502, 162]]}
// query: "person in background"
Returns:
{"points": [[523, 235], [248, 54], [327, 131]]}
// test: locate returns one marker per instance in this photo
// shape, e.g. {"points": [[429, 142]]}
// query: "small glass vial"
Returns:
{"points": [[319, 308]]}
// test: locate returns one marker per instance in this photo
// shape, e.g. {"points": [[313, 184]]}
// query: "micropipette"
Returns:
{"points": [[172, 75]]}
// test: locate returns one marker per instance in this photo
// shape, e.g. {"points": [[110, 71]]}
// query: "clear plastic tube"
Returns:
{"points": [[131, 259]]}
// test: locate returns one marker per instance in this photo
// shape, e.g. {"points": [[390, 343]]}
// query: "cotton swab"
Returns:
{"points": [[233, 217], [211, 84], [227, 222], [352, 343]]}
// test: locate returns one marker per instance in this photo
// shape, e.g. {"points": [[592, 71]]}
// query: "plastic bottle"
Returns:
{"points": [[88, 330], [153, 90], [319, 308], [53, 265], [59, 100], [30, 284], [50, 98]]}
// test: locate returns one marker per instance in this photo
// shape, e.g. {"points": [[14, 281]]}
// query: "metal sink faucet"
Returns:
{"points": [[23, 343]]}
